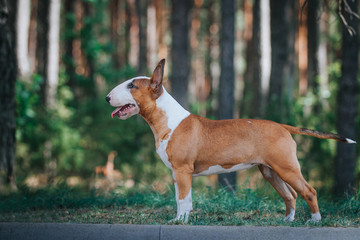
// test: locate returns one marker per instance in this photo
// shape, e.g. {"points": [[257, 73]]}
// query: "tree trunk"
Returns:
{"points": [[22, 37], [313, 44], [212, 66], [161, 27], [180, 56], [33, 35], [282, 14], [52, 70], [117, 22], [152, 40], [265, 46], [51, 83], [252, 79], [47, 65], [7, 96], [204, 85], [68, 58], [133, 34], [322, 57], [88, 31], [141, 7], [302, 49], [313, 40], [42, 40], [227, 78], [347, 105]]}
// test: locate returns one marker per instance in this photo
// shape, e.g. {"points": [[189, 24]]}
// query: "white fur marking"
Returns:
{"points": [[161, 151], [291, 216], [140, 77], [184, 206], [249, 122], [175, 114], [176, 191], [121, 95], [218, 169], [315, 217], [267, 172], [174, 111], [348, 140]]}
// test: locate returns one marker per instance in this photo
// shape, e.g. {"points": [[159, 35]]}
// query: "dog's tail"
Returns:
{"points": [[318, 134]]}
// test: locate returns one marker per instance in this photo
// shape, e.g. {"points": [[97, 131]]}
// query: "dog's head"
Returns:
{"points": [[137, 95]]}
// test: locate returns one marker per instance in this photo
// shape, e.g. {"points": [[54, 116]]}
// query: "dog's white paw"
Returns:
{"points": [[315, 218], [290, 217], [181, 217]]}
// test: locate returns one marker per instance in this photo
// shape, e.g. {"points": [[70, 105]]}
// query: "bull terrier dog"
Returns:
{"points": [[191, 145]]}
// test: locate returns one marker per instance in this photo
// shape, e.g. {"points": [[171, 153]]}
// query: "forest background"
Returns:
{"points": [[294, 62]]}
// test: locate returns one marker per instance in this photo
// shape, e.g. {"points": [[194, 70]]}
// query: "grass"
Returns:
{"points": [[211, 207]]}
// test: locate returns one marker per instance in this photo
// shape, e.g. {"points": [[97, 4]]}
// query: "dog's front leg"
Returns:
{"points": [[182, 183]]}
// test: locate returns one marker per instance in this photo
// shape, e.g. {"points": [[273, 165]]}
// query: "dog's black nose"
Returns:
{"points": [[107, 98]]}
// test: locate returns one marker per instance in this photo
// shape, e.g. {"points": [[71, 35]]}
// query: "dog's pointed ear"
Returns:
{"points": [[157, 78]]}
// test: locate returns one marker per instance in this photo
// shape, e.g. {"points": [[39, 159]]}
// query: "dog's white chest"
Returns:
{"points": [[161, 151], [175, 115]]}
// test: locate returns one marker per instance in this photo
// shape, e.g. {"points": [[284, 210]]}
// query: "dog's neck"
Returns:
{"points": [[165, 117]]}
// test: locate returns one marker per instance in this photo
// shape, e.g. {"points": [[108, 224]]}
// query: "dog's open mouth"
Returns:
{"points": [[123, 111]]}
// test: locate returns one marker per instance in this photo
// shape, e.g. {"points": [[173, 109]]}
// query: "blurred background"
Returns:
{"points": [[293, 62]]}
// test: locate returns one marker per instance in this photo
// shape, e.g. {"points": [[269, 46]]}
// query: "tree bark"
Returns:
{"points": [[161, 27], [68, 58], [347, 105], [33, 35], [52, 70], [88, 34], [42, 42], [180, 56], [133, 34], [117, 18], [22, 37], [282, 14], [313, 44], [265, 46], [51, 83], [251, 104], [47, 65], [141, 7], [152, 39], [212, 52], [322, 56], [7, 96], [227, 76], [114, 8]]}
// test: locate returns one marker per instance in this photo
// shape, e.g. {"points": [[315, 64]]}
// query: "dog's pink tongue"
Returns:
{"points": [[116, 111]]}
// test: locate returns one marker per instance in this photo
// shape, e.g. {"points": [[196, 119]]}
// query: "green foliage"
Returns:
{"points": [[82, 133], [81, 137], [80, 128], [315, 110]]}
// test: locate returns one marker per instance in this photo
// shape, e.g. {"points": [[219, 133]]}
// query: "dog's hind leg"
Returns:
{"points": [[282, 159], [291, 174], [287, 193]]}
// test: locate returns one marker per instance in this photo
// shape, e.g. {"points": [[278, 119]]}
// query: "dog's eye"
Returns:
{"points": [[131, 85]]}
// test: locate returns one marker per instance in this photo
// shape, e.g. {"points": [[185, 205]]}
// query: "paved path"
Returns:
{"points": [[55, 231]]}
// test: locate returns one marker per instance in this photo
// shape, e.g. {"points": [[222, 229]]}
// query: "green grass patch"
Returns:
{"points": [[211, 207]]}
